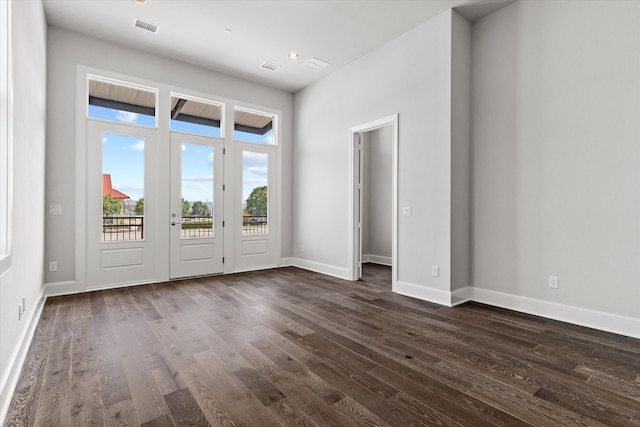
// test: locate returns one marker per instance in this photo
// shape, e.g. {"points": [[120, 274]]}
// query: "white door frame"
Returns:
{"points": [[355, 249]]}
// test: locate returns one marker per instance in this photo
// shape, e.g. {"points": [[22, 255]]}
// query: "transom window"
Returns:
{"points": [[196, 116], [121, 102], [253, 126]]}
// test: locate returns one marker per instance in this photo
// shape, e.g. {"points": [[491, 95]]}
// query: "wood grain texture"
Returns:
{"points": [[288, 347]]}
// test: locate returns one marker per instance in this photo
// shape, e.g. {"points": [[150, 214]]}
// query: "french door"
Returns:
{"points": [[255, 228], [121, 243], [196, 238], [176, 185]]}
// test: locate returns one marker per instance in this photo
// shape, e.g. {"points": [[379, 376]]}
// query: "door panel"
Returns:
{"points": [[256, 214], [121, 243], [196, 243]]}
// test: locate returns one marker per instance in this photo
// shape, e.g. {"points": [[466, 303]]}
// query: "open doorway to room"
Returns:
{"points": [[376, 163], [374, 196]]}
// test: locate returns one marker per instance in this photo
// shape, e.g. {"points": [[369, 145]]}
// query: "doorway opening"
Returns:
{"points": [[374, 194]]}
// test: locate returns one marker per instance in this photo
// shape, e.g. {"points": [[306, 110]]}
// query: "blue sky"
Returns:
{"points": [[123, 158]]}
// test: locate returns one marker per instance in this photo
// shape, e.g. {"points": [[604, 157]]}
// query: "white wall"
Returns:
{"points": [[556, 161], [378, 195], [460, 152], [25, 277], [410, 76], [67, 50]]}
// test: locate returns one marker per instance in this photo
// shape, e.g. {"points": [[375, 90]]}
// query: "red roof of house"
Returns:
{"points": [[108, 190]]}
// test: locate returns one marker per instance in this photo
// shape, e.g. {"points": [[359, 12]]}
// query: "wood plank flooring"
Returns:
{"points": [[288, 347]]}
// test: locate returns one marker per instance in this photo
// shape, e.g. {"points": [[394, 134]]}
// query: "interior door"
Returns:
{"points": [[196, 238]]}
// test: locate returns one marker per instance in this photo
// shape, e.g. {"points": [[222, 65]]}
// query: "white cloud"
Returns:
{"points": [[254, 182], [194, 186], [138, 146], [201, 178], [267, 138], [128, 187], [104, 139], [255, 163], [184, 147], [257, 170], [127, 116], [210, 158]]}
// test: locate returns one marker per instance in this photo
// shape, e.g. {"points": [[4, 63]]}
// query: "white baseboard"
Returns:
{"points": [[460, 296], [61, 288], [609, 322], [329, 270], [424, 293], [18, 357], [71, 287], [286, 262], [247, 269], [378, 259]]}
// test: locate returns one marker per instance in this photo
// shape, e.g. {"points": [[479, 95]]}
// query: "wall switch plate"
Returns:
{"points": [[435, 271], [53, 266], [55, 210], [407, 211], [553, 282]]}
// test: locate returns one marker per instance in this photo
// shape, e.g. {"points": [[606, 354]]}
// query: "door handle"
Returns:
{"points": [[175, 223]]}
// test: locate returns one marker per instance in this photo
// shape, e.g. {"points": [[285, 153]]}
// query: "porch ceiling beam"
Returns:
{"points": [[176, 110], [124, 106]]}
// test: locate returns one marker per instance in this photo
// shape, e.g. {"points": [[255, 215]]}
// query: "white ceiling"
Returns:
{"points": [[193, 31]]}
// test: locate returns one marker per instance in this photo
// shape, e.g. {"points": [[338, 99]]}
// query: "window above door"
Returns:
{"points": [[121, 102]]}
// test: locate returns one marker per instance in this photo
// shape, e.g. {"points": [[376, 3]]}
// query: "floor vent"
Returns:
{"points": [[270, 66], [145, 25], [315, 64]]}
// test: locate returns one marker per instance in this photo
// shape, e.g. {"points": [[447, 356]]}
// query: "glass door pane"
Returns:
{"points": [[255, 190], [197, 191], [122, 187]]}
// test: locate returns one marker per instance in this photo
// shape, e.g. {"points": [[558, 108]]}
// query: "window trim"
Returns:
{"points": [[6, 139]]}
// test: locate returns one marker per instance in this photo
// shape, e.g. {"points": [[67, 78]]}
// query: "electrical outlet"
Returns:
{"points": [[553, 282], [53, 266], [55, 210], [435, 271]]}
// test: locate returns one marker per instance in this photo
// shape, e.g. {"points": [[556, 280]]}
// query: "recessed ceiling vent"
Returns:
{"points": [[145, 25], [270, 66], [315, 64]]}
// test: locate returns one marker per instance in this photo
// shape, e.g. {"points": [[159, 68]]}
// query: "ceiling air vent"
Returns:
{"points": [[145, 25], [315, 64], [270, 66]]}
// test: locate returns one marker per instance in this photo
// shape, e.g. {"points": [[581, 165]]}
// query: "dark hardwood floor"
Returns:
{"points": [[295, 348]]}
